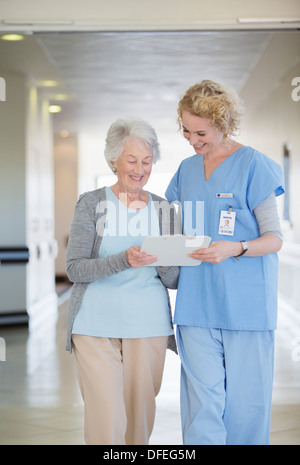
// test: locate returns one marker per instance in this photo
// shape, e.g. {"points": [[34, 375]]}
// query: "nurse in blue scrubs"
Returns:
{"points": [[226, 308]]}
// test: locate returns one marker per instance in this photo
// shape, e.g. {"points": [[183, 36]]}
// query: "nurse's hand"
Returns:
{"points": [[217, 252], [136, 258]]}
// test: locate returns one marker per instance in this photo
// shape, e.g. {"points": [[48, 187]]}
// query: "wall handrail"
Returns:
{"points": [[14, 255]]}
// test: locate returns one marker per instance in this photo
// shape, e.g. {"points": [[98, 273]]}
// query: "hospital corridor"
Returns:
{"points": [[65, 78], [41, 403]]}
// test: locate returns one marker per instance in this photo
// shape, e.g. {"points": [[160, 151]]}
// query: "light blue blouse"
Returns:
{"points": [[233, 295], [132, 303]]}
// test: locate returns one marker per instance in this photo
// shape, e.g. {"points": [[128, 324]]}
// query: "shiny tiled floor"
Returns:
{"points": [[40, 403]]}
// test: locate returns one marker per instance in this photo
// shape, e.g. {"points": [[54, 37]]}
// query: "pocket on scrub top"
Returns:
{"points": [[245, 226]]}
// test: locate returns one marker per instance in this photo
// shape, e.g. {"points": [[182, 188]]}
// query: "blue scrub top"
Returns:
{"points": [[233, 295]]}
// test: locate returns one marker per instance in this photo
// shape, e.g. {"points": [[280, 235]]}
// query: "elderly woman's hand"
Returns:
{"points": [[136, 258]]}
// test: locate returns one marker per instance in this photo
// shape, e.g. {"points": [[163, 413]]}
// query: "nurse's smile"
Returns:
{"points": [[200, 133], [199, 147]]}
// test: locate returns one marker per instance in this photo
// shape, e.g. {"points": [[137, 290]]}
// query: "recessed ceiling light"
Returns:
{"points": [[32, 22], [268, 20], [12, 37], [49, 83], [54, 109]]}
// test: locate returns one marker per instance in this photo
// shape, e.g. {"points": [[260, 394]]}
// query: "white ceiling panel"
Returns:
{"points": [[115, 74]]}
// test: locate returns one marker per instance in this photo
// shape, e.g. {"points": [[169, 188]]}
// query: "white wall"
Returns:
{"points": [[66, 194], [39, 199], [26, 193], [12, 191], [12, 158], [272, 124]]}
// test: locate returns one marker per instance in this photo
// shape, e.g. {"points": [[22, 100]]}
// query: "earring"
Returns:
{"points": [[114, 170]]}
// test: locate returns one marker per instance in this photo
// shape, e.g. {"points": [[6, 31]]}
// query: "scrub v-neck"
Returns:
{"points": [[222, 163]]}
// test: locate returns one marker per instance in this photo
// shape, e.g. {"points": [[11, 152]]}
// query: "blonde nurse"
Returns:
{"points": [[226, 308]]}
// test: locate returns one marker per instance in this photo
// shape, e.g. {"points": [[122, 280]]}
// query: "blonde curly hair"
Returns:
{"points": [[209, 99]]}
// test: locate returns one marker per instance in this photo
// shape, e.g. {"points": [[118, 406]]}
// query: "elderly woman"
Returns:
{"points": [[226, 308], [119, 312]]}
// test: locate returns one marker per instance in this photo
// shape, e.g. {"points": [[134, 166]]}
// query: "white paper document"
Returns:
{"points": [[174, 250]]}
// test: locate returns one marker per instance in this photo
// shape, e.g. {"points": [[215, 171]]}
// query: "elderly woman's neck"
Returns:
{"points": [[135, 200]]}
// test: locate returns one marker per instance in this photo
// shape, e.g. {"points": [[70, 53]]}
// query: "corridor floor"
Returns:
{"points": [[40, 403]]}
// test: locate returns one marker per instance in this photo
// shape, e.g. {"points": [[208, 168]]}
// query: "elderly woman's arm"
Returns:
{"points": [[80, 266]]}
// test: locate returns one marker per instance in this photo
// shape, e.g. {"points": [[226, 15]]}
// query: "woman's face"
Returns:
{"points": [[200, 133], [134, 167]]}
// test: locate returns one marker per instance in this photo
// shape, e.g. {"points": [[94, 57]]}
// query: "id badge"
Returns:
{"points": [[227, 223]]}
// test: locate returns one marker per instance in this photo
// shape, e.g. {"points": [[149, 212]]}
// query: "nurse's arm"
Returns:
{"points": [[218, 251], [270, 240], [264, 245]]}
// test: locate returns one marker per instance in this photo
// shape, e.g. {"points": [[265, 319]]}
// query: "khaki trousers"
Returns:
{"points": [[119, 380]]}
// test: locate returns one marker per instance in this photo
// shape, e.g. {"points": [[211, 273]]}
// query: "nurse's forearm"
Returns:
{"points": [[218, 251], [264, 245]]}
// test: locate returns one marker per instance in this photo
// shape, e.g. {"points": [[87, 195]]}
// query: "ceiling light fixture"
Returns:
{"points": [[268, 20], [12, 37], [54, 109], [32, 22], [48, 83]]}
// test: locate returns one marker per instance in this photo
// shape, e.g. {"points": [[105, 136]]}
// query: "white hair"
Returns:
{"points": [[122, 131]]}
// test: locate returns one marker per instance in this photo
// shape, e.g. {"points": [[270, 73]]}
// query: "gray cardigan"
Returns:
{"points": [[83, 262]]}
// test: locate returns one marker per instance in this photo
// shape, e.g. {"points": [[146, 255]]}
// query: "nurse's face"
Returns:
{"points": [[200, 133]]}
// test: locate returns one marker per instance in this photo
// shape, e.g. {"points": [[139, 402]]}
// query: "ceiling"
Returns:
{"points": [[107, 75], [110, 75], [108, 65], [140, 15]]}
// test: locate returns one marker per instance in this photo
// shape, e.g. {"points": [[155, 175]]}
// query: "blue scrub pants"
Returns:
{"points": [[226, 385]]}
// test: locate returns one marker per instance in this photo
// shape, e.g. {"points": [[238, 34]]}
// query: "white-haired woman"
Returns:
{"points": [[119, 313]]}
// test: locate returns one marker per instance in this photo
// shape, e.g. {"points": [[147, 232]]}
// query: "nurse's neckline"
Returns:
{"points": [[215, 162]]}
